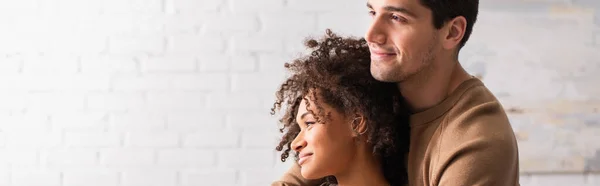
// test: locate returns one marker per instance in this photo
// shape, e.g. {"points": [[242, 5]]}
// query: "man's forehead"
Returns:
{"points": [[396, 3]]}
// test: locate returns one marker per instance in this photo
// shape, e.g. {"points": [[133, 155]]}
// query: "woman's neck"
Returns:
{"points": [[365, 170]]}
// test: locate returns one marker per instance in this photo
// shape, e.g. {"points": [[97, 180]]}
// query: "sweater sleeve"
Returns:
{"points": [[478, 148]]}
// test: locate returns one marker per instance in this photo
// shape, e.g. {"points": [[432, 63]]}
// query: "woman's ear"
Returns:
{"points": [[359, 125]]}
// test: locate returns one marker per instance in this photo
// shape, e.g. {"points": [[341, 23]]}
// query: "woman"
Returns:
{"points": [[341, 123]]}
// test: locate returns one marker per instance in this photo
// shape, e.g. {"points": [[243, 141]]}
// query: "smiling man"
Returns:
{"points": [[460, 134]]}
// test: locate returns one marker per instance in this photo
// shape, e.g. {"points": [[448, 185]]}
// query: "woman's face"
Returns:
{"points": [[324, 148]]}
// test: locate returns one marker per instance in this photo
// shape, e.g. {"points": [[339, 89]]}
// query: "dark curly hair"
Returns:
{"points": [[339, 68]]}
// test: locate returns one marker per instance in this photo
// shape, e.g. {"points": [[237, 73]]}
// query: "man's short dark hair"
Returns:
{"points": [[445, 10]]}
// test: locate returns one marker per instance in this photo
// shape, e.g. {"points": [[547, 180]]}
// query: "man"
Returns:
{"points": [[460, 134]]}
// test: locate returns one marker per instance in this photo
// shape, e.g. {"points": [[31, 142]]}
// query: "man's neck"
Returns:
{"points": [[431, 86], [365, 170]]}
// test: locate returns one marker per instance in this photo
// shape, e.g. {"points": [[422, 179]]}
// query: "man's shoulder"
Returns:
{"points": [[478, 113]]}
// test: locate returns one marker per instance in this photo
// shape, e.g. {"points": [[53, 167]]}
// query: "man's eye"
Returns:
{"points": [[398, 18]]}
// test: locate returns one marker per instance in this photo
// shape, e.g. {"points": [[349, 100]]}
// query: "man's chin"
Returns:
{"points": [[384, 76]]}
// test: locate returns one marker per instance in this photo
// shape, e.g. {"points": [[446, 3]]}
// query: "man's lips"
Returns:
{"points": [[377, 55], [383, 53]]}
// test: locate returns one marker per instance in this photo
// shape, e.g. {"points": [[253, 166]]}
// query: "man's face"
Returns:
{"points": [[402, 39]]}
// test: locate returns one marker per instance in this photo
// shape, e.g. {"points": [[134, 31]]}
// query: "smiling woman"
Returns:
{"points": [[341, 123]]}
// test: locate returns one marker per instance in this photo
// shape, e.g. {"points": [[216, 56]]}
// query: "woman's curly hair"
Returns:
{"points": [[339, 68]]}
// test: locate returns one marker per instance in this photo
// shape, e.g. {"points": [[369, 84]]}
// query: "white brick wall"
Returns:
{"points": [[177, 92]]}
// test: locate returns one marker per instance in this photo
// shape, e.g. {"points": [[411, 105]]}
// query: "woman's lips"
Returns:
{"points": [[304, 157]]}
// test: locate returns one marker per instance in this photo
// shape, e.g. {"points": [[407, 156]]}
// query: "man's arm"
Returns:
{"points": [[293, 178], [481, 162], [478, 148]]}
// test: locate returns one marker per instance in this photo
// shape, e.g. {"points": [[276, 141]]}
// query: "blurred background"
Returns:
{"points": [[178, 92]]}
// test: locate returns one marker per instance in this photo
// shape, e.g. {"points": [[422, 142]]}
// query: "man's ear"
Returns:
{"points": [[454, 31]]}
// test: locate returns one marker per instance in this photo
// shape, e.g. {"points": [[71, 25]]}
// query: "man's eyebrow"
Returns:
{"points": [[396, 9]]}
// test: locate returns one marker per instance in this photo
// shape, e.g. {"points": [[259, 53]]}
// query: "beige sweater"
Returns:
{"points": [[465, 140]]}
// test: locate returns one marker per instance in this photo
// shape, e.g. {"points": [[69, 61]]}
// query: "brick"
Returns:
{"points": [[92, 139], [2, 140], [151, 139], [66, 7], [169, 64], [198, 82], [10, 64], [256, 82], [246, 23], [28, 177], [260, 138], [86, 82], [247, 44], [127, 25], [214, 63], [335, 22], [92, 121], [57, 82], [212, 177], [84, 178], [7, 82], [176, 101], [50, 64], [26, 6], [558, 179], [24, 122], [274, 62], [254, 119], [75, 43], [132, 6], [192, 44], [187, 7], [596, 37], [137, 121], [149, 178], [295, 44], [247, 158], [69, 157], [524, 179], [134, 45], [244, 63], [18, 157], [593, 179], [222, 100], [108, 64], [127, 157], [206, 139], [183, 24], [288, 23], [256, 6], [33, 140], [114, 101], [145, 82], [13, 100], [318, 6], [186, 158], [4, 178], [67, 82], [195, 121], [55, 102]]}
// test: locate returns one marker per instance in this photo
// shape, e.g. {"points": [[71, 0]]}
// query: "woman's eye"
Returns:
{"points": [[309, 123], [371, 13]]}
